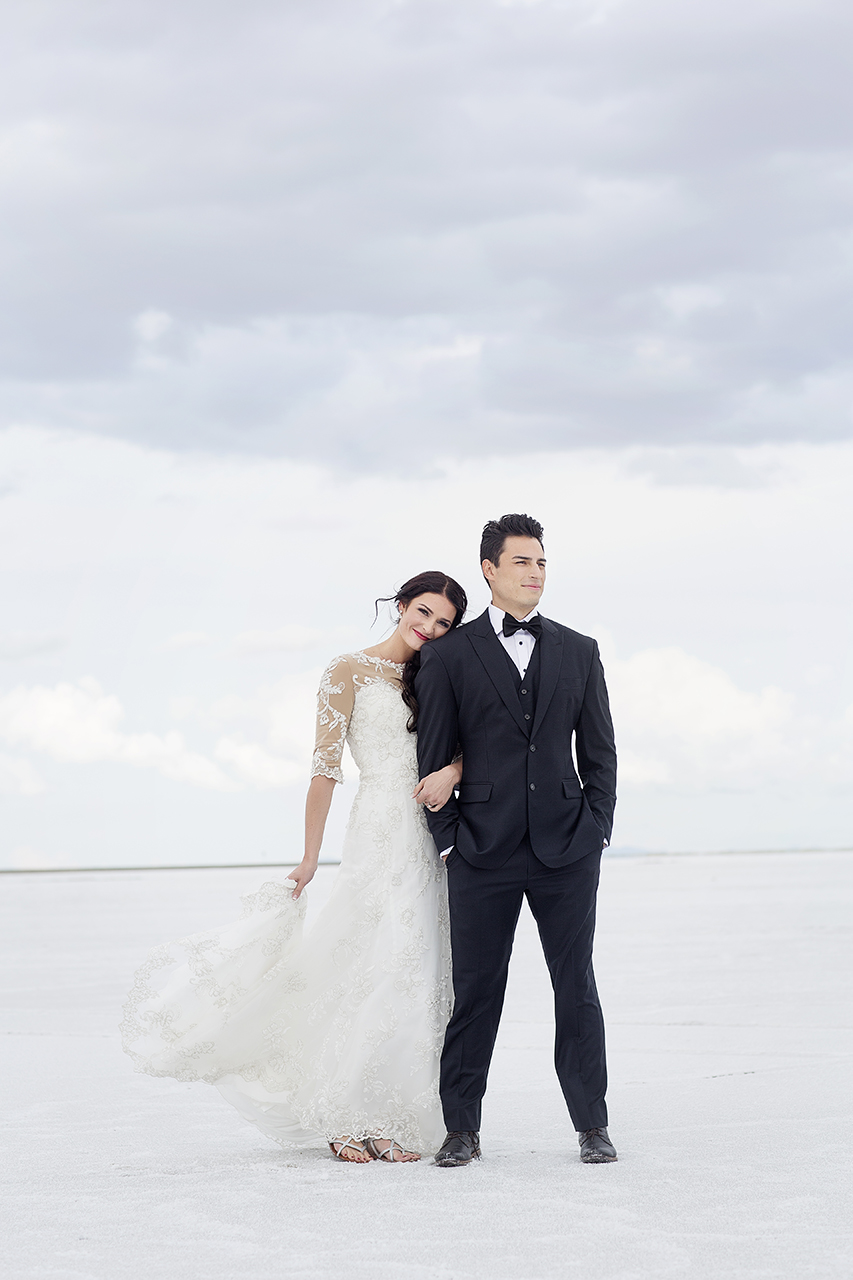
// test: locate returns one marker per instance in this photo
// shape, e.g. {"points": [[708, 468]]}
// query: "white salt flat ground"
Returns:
{"points": [[726, 982]]}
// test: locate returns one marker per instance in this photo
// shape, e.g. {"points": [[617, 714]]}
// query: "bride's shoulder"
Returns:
{"points": [[342, 660], [373, 663], [360, 661], [339, 669]]}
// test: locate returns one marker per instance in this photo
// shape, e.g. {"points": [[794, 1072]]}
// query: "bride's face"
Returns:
{"points": [[425, 618]]}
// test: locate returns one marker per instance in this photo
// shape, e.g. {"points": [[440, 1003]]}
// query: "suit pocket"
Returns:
{"points": [[474, 792], [573, 684], [572, 788]]}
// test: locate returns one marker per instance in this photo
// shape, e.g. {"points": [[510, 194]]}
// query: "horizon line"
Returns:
{"points": [[271, 866]]}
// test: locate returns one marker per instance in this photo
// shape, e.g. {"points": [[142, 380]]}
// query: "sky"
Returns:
{"points": [[296, 297]]}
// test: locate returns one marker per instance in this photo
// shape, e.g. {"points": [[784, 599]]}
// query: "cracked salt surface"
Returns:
{"points": [[726, 984]]}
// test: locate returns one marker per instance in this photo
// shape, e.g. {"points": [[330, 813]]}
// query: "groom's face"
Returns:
{"points": [[518, 579]]}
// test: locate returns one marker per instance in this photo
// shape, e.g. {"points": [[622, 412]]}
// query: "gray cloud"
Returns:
{"points": [[16, 645], [368, 230], [705, 466]]}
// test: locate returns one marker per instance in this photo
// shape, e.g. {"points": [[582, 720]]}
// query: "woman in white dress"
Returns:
{"points": [[337, 1034]]}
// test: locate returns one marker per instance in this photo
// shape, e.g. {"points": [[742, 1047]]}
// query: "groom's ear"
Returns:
{"points": [[488, 570]]}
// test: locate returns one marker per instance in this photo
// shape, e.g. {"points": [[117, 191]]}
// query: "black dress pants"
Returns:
{"points": [[484, 909]]}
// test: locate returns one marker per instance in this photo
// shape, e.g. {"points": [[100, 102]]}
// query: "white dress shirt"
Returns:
{"points": [[520, 646]]}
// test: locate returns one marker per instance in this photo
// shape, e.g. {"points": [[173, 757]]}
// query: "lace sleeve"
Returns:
{"points": [[334, 707]]}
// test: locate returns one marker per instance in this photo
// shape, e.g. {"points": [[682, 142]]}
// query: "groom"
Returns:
{"points": [[512, 689]]}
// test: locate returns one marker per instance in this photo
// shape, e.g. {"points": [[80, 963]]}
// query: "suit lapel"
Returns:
{"points": [[550, 660], [489, 650]]}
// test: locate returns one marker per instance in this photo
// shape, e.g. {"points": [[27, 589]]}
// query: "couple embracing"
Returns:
{"points": [[375, 1029]]}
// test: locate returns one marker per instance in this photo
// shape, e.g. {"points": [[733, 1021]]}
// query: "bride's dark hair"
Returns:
{"points": [[430, 583]]}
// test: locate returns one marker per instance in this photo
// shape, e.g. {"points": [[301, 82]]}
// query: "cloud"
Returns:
{"points": [[256, 766], [15, 645], [27, 858], [121, 547], [690, 465], [78, 724], [270, 734], [18, 777], [681, 721], [186, 640], [369, 232], [288, 639]]}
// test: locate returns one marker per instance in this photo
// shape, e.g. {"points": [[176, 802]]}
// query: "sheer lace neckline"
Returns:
{"points": [[370, 657]]}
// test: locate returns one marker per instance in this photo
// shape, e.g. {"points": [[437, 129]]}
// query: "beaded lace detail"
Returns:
{"points": [[335, 702]]}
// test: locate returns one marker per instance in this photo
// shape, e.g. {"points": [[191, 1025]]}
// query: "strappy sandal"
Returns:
{"points": [[387, 1154], [339, 1145]]}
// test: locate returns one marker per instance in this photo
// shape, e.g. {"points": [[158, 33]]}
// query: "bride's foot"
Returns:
{"points": [[351, 1151], [390, 1151]]}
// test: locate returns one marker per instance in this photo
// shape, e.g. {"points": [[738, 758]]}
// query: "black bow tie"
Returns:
{"points": [[533, 625]]}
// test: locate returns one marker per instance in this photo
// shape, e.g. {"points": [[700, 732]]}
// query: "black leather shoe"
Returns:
{"points": [[458, 1149], [596, 1147]]}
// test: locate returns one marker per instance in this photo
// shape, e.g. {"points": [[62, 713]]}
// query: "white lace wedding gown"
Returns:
{"points": [[340, 1031]]}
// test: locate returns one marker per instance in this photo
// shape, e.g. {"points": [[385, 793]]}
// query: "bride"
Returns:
{"points": [[337, 1034]]}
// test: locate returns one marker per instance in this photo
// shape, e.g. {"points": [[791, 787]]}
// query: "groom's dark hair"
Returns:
{"points": [[496, 532]]}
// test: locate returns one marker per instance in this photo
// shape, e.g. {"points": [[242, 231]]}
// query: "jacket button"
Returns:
{"points": [[524, 691], [532, 748], [527, 717], [533, 786]]}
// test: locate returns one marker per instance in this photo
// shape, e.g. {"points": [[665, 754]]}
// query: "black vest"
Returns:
{"points": [[528, 687]]}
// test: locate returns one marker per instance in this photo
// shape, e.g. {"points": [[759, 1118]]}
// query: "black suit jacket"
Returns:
{"points": [[518, 775]]}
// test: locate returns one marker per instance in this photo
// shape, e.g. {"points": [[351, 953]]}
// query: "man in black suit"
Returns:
{"points": [[512, 690]]}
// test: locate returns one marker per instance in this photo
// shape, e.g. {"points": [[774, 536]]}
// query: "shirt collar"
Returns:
{"points": [[496, 616]]}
